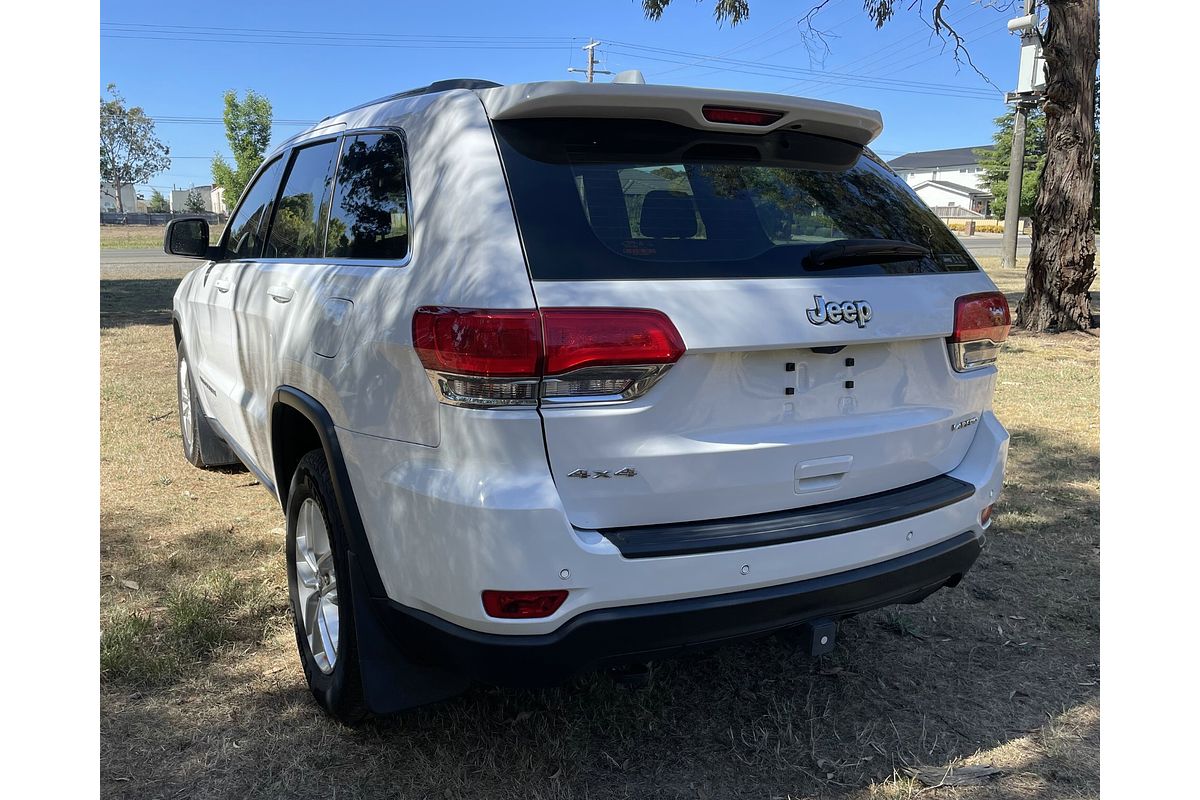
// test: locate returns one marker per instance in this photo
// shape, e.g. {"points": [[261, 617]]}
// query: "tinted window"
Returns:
{"points": [[369, 215], [299, 223], [248, 227], [604, 199]]}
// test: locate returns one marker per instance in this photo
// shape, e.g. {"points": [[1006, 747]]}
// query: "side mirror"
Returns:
{"points": [[187, 236]]}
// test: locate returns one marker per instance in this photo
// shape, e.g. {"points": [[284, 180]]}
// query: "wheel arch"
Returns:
{"points": [[299, 423], [387, 673]]}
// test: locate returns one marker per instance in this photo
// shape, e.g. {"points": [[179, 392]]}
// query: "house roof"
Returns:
{"points": [[955, 156], [954, 187]]}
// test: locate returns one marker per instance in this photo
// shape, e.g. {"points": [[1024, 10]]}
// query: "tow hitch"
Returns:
{"points": [[819, 636]]}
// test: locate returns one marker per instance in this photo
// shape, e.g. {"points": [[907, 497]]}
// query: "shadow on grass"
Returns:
{"points": [[971, 669], [131, 301]]}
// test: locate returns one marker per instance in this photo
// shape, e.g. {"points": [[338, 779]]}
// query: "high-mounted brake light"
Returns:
{"points": [[484, 358], [522, 605], [981, 324], [741, 116]]}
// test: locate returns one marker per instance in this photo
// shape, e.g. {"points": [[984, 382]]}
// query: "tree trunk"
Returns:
{"points": [[1062, 263], [120, 201]]}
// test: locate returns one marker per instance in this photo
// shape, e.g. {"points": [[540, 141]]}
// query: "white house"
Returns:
{"points": [[949, 181], [212, 196], [108, 197]]}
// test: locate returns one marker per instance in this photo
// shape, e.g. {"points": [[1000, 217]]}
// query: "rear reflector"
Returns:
{"points": [[981, 324], [741, 116], [522, 605], [985, 516], [485, 358]]}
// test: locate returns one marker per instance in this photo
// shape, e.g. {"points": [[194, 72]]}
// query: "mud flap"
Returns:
{"points": [[391, 682]]}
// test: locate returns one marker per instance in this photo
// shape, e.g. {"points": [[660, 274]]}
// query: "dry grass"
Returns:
{"points": [[203, 694], [131, 237]]}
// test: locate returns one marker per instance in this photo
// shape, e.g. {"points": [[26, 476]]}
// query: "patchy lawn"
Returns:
{"points": [[148, 237], [203, 695]]}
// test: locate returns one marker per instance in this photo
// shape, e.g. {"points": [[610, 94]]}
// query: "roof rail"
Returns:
{"points": [[436, 86]]}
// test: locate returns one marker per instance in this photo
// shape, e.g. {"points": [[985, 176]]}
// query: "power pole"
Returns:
{"points": [[1030, 80], [591, 70], [1012, 209]]}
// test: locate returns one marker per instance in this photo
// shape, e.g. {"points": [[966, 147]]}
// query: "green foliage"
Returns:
{"points": [[157, 204], [129, 150], [732, 10], [128, 652], [995, 161], [735, 11], [248, 130], [195, 201]]}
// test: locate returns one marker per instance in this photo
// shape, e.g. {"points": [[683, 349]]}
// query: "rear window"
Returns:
{"points": [[628, 199]]}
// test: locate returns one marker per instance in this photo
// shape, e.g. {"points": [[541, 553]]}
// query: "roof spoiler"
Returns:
{"points": [[682, 105]]}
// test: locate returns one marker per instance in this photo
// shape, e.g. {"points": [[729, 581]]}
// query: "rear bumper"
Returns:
{"points": [[611, 636], [442, 526]]}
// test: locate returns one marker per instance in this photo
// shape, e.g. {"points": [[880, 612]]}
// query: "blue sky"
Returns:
{"points": [[163, 60]]}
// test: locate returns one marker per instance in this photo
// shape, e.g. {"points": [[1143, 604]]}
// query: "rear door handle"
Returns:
{"points": [[280, 293], [222, 285]]}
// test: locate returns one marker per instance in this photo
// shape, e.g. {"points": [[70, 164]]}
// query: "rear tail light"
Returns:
{"points": [[522, 605], [985, 516], [480, 357], [981, 324], [485, 358], [741, 116]]}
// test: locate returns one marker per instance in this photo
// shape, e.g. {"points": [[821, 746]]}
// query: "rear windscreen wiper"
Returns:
{"points": [[845, 252]]}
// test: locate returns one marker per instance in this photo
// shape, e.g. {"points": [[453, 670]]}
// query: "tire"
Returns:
{"points": [[319, 592], [202, 447]]}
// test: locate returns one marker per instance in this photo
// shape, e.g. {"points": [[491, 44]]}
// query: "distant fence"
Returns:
{"points": [[956, 212], [138, 218]]}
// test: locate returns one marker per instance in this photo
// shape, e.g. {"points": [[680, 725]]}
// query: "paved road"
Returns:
{"points": [[110, 255], [989, 244], [144, 263]]}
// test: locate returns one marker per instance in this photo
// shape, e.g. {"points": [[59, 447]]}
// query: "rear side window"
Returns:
{"points": [[627, 199], [299, 225], [248, 228], [368, 218]]}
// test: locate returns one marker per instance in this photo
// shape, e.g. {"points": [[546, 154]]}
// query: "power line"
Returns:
{"points": [[922, 59], [748, 43], [988, 93], [167, 119], [276, 36], [330, 34], [346, 43], [853, 81], [894, 48], [881, 60]]}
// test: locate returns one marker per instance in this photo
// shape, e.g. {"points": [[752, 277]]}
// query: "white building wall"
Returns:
{"points": [[108, 197], [935, 196], [965, 174], [179, 198]]}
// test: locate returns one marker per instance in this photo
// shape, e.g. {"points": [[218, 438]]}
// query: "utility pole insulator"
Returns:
{"points": [[591, 70]]}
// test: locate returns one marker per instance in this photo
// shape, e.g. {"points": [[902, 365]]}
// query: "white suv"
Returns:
{"points": [[556, 376]]}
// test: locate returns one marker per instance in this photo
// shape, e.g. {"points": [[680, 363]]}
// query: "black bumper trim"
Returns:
{"points": [[612, 636], [795, 525]]}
